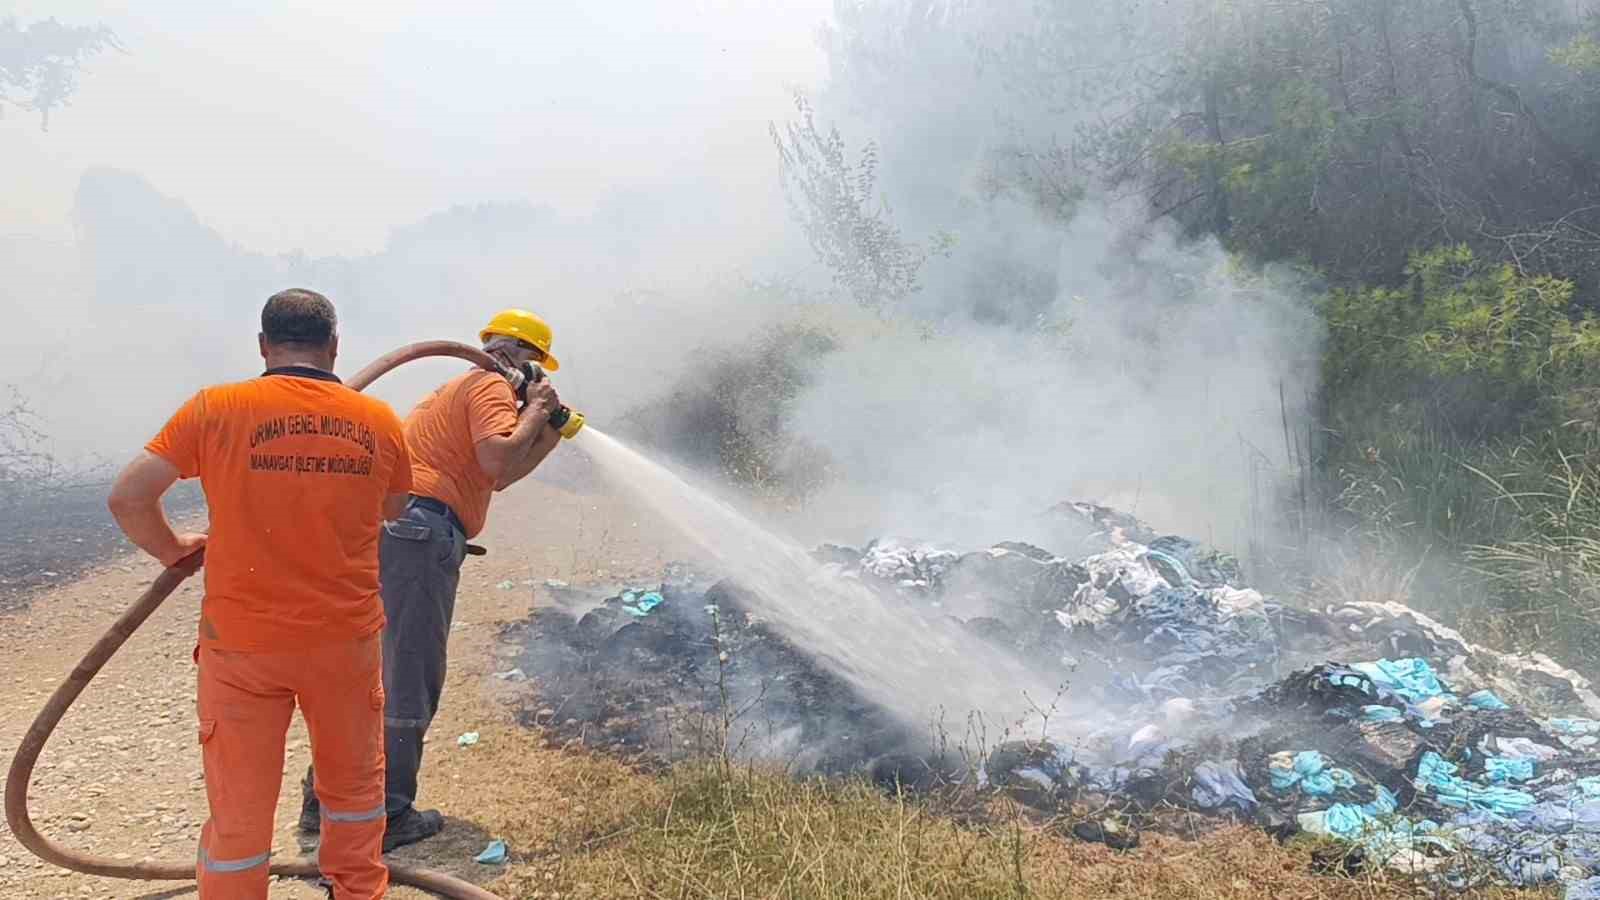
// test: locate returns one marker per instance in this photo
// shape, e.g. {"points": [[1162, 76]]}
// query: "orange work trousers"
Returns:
{"points": [[245, 703]]}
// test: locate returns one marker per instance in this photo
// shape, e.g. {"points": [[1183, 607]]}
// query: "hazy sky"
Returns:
{"points": [[318, 126]]}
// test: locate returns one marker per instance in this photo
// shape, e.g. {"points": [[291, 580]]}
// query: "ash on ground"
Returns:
{"points": [[682, 670], [1367, 723], [51, 534]]}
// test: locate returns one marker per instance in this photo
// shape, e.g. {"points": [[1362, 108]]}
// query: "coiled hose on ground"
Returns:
{"points": [[21, 773]]}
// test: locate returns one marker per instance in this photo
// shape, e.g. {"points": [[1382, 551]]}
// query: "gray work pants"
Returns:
{"points": [[420, 567], [419, 563]]}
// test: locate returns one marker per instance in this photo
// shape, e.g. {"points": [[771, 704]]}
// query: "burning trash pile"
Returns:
{"points": [[1367, 723]]}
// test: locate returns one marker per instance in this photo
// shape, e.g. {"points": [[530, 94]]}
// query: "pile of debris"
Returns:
{"points": [[1369, 723], [684, 670]]}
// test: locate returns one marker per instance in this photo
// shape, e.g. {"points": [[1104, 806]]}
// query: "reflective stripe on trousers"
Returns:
{"points": [[363, 816], [232, 865], [245, 704]]}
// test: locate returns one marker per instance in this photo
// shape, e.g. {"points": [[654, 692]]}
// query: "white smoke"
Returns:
{"points": [[1045, 357]]}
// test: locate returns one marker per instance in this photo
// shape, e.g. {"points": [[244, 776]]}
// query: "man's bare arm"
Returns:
{"points": [[135, 503], [547, 441], [499, 454]]}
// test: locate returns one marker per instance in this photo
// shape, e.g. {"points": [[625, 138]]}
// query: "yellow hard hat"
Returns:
{"points": [[524, 326]]}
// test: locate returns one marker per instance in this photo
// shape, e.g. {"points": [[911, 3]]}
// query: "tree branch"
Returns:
{"points": [[1581, 168]]}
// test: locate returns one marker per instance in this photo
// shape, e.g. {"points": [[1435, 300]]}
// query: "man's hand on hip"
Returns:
{"points": [[186, 545]]}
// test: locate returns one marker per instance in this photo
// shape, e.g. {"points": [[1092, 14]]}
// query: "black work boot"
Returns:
{"points": [[411, 826], [310, 809]]}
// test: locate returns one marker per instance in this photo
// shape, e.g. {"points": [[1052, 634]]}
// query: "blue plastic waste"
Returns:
{"points": [[1183, 573], [1580, 733], [1201, 565], [1348, 821], [1583, 851], [1351, 821], [1375, 827], [1531, 868], [1500, 770], [1312, 773], [1219, 784], [1438, 778], [1411, 679], [1587, 889], [1486, 700], [1572, 726], [1384, 804], [1557, 817], [1338, 676], [639, 605], [1401, 834], [1522, 856], [492, 854], [1376, 713]]}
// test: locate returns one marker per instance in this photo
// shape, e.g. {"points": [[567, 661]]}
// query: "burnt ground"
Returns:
{"points": [[657, 689], [679, 683], [53, 535]]}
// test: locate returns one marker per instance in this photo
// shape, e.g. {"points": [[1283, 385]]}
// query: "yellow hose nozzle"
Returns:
{"points": [[566, 420], [573, 425]]}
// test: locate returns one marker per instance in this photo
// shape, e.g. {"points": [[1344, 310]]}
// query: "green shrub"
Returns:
{"points": [[727, 414]]}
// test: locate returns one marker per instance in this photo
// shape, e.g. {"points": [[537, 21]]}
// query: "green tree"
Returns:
{"points": [[847, 222], [40, 62], [1473, 348]]}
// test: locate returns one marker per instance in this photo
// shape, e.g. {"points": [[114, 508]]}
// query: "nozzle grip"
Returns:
{"points": [[563, 419]]}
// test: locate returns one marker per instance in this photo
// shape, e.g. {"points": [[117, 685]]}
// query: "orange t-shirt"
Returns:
{"points": [[443, 433], [295, 468]]}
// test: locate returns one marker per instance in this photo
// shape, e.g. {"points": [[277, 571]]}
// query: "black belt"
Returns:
{"points": [[439, 507]]}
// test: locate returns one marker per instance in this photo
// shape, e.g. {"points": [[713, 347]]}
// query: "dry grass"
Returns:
{"points": [[700, 833]]}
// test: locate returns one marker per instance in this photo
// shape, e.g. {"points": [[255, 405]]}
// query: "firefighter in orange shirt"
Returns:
{"points": [[468, 439], [298, 472]]}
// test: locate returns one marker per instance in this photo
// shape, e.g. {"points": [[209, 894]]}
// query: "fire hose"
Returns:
{"points": [[21, 773]]}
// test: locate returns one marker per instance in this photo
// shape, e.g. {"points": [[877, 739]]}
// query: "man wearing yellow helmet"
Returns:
{"points": [[467, 439]]}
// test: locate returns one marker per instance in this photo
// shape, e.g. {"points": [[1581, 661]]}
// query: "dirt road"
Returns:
{"points": [[122, 774]]}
